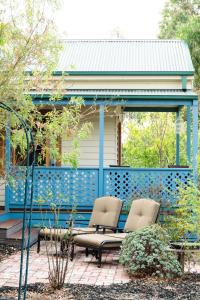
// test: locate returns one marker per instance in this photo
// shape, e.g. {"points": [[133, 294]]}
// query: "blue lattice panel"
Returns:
{"points": [[16, 184], [159, 184], [63, 186], [67, 186]]}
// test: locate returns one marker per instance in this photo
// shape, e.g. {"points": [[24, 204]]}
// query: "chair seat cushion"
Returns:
{"points": [[97, 240], [62, 233]]}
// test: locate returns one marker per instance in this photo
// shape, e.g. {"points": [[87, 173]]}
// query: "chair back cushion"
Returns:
{"points": [[106, 211], [143, 212]]}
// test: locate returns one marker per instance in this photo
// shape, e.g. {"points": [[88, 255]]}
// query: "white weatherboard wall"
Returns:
{"points": [[89, 149], [124, 82], [121, 82]]}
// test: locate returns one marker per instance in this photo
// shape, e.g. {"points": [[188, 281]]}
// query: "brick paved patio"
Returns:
{"points": [[82, 270]]}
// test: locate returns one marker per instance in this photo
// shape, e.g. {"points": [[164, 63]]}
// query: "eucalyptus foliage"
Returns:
{"points": [[181, 19], [30, 48], [144, 253]]}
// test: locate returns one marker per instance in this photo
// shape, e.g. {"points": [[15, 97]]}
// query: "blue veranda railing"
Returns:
{"points": [[80, 187]]}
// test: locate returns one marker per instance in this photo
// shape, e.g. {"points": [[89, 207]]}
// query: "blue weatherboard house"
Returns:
{"points": [[121, 76]]}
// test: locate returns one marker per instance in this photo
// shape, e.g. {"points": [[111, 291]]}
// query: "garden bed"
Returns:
{"points": [[187, 288]]}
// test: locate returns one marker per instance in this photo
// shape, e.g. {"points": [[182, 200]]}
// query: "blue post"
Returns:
{"points": [[195, 139], [101, 149], [178, 137], [184, 83], [188, 134], [7, 163]]}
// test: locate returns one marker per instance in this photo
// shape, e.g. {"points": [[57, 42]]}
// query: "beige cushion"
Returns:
{"points": [[96, 240], [143, 212], [53, 233], [106, 211], [61, 233]]}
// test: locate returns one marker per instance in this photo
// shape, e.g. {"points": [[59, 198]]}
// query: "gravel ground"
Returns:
{"points": [[187, 288], [140, 289]]}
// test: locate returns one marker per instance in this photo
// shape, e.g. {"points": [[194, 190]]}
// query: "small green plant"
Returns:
{"points": [[55, 239], [144, 253], [185, 219], [58, 260]]}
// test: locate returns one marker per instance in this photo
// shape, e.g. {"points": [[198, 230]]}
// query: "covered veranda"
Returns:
{"points": [[85, 184]]}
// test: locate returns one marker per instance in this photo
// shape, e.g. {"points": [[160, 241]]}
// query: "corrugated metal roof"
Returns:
{"points": [[125, 56]]}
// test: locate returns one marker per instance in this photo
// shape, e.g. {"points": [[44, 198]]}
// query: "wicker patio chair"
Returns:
{"points": [[143, 212], [105, 216]]}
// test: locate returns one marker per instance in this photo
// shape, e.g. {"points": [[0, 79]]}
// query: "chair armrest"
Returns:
{"points": [[104, 227]]}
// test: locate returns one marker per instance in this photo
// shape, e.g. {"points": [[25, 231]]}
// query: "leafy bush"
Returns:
{"points": [[54, 238], [186, 217], [144, 253]]}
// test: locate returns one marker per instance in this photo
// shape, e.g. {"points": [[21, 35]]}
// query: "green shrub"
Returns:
{"points": [[186, 217], [144, 253]]}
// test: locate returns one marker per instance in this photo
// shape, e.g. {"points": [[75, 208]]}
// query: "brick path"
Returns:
{"points": [[82, 270]]}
